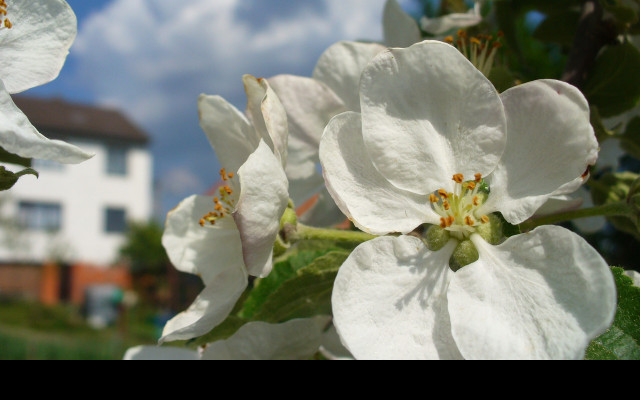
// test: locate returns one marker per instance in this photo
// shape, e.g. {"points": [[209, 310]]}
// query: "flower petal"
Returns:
{"points": [[446, 23], [231, 135], [359, 190], [205, 251], [340, 68], [210, 308], [310, 105], [35, 48], [389, 300], [263, 199], [267, 114], [157, 353], [18, 136], [293, 340], [400, 29], [428, 114], [539, 295], [550, 143]]}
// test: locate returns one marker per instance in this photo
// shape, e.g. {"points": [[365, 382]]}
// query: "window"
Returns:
{"points": [[117, 160], [116, 220], [40, 216]]}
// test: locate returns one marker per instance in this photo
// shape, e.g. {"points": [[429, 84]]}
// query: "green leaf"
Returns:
{"points": [[622, 10], [305, 295], [559, 27], [10, 158], [630, 140], [8, 178], [622, 340], [296, 259], [614, 83], [602, 133]]}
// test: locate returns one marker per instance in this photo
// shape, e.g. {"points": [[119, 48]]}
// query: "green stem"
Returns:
{"points": [[620, 209], [303, 232]]}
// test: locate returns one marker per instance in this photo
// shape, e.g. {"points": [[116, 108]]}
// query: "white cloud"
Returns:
{"points": [[152, 58]]}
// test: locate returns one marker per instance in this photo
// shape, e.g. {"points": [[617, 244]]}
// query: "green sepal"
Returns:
{"points": [[10, 158], [622, 340], [8, 178], [614, 83], [464, 254], [617, 188]]}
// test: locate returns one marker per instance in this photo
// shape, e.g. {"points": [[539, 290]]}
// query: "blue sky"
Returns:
{"points": [[152, 58]]}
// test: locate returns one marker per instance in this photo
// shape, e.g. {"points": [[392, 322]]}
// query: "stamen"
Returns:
{"points": [[476, 201], [484, 219], [3, 16], [224, 204], [450, 220], [468, 221], [478, 178], [443, 223], [443, 193], [471, 185], [446, 205], [459, 178], [433, 198]]}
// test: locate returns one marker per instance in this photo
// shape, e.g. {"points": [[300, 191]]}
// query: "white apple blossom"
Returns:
{"points": [[433, 131], [35, 36], [450, 22], [226, 237], [293, 340], [310, 104], [400, 29]]}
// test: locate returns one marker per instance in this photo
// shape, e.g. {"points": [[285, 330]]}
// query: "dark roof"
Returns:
{"points": [[59, 117]]}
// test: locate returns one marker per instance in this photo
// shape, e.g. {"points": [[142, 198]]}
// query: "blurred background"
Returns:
{"points": [[83, 274]]}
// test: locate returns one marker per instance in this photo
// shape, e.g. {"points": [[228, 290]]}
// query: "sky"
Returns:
{"points": [[151, 59]]}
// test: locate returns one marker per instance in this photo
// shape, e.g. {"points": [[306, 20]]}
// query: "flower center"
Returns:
{"points": [[458, 209], [4, 21], [480, 50], [225, 202]]}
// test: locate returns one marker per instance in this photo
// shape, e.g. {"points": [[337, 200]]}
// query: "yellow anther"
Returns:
{"points": [[202, 222], [475, 41], [230, 175], [218, 207], [446, 205], [216, 200], [469, 221], [433, 198], [459, 178], [443, 193], [478, 178], [443, 223], [228, 190], [449, 39], [484, 219], [462, 34], [476, 201], [471, 185], [450, 220]]}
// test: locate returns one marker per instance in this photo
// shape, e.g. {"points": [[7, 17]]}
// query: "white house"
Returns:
{"points": [[78, 213]]}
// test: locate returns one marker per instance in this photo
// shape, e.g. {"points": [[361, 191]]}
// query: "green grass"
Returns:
{"points": [[31, 331]]}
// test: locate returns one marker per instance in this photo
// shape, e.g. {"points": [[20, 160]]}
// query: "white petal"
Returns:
{"points": [[359, 190], [446, 23], [550, 143], [332, 347], [156, 353], [635, 277], [400, 29], [18, 136], [267, 114], [539, 295], [556, 204], [389, 300], [210, 308], [263, 199], [230, 133], [340, 68], [35, 48], [292, 340], [205, 251], [310, 105], [428, 114]]}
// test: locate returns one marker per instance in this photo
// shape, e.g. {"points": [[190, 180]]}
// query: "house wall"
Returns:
{"points": [[84, 191]]}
